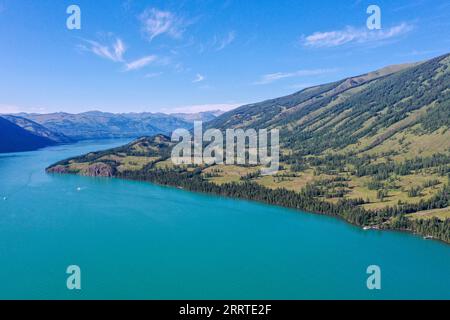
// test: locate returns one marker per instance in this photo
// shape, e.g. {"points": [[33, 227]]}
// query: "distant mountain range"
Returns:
{"points": [[66, 128]]}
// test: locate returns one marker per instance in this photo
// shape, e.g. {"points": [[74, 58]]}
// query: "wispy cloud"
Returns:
{"points": [[5, 109], [226, 41], [217, 43], [10, 109], [353, 35], [272, 77], [410, 5], [199, 78], [156, 23], [420, 53], [140, 63], [203, 108], [113, 52]]}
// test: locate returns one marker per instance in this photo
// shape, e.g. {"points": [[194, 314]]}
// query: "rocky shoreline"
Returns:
{"points": [[94, 170]]}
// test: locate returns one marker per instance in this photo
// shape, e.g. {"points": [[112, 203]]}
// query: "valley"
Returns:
{"points": [[64, 128]]}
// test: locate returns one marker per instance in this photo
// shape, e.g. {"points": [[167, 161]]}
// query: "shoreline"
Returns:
{"points": [[381, 227]]}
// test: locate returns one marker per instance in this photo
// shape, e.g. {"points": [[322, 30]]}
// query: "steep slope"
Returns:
{"points": [[358, 113], [37, 129], [273, 112], [15, 139]]}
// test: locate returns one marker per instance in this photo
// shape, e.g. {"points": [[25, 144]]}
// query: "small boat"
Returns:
{"points": [[428, 238], [371, 228]]}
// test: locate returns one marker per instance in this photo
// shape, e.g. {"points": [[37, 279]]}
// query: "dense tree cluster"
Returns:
{"points": [[433, 227], [383, 170]]}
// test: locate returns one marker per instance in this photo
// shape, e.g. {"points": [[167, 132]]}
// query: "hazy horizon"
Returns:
{"points": [[170, 57], [119, 112]]}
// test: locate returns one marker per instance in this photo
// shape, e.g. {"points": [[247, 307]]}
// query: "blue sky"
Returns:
{"points": [[192, 55]]}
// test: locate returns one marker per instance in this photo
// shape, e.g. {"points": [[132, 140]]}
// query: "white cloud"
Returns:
{"points": [[10, 109], [203, 108], [272, 77], [113, 52], [156, 22], [226, 41], [198, 78], [420, 53], [6, 109], [140, 63], [353, 35]]}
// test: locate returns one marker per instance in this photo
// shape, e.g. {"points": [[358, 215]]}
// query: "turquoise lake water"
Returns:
{"points": [[135, 240]]}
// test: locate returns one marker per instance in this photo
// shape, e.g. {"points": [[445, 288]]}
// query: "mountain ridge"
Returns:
{"points": [[99, 125], [15, 139], [37, 129]]}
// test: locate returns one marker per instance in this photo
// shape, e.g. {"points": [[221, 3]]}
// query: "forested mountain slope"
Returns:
{"points": [[276, 111], [356, 114], [372, 149]]}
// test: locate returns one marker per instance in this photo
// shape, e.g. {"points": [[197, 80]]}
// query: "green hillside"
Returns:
{"points": [[372, 149]]}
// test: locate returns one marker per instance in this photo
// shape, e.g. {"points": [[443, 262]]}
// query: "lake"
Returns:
{"points": [[135, 240]]}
